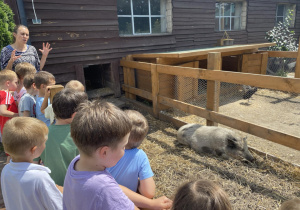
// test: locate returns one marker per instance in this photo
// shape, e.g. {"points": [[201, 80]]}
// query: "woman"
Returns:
{"points": [[19, 51]]}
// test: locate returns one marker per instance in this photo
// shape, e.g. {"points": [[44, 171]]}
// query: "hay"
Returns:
{"points": [[264, 184]]}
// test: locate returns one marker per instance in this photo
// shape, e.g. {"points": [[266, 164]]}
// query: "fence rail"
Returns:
{"points": [[214, 77]]}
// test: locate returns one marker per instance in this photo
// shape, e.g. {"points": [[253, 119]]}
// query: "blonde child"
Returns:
{"points": [[47, 109], [133, 170], [100, 130], [26, 185], [22, 69], [27, 102], [201, 194], [42, 80], [8, 107]]}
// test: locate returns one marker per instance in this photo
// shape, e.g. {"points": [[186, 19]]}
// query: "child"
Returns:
{"points": [[100, 130], [27, 102], [133, 170], [26, 185], [47, 109], [60, 148], [201, 194], [22, 69], [293, 204], [42, 79], [8, 107]]}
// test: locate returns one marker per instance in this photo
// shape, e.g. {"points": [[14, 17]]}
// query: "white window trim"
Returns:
{"points": [[230, 16], [132, 16]]}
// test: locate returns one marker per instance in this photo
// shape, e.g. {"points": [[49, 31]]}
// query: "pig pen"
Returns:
{"points": [[264, 184]]}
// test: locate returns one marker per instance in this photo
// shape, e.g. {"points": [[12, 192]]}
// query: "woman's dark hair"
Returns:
{"points": [[201, 194]]}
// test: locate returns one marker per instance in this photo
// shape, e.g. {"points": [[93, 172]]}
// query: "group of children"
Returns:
{"points": [[91, 149]]}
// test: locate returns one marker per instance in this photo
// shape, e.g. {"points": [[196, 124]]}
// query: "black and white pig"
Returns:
{"points": [[214, 140]]}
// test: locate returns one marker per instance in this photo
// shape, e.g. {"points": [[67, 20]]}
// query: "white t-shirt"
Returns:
{"points": [[29, 186]]}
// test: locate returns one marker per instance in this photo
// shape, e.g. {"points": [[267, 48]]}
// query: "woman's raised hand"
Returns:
{"points": [[46, 49], [13, 56]]}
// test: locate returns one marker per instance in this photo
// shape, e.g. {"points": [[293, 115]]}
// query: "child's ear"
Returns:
{"points": [[102, 151], [33, 149], [73, 115], [33, 85]]}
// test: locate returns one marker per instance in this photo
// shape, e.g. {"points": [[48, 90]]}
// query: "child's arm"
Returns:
{"points": [[143, 202], [5, 113], [147, 187], [45, 102]]}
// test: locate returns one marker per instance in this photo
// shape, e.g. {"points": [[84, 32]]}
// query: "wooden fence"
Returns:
{"points": [[214, 76]]}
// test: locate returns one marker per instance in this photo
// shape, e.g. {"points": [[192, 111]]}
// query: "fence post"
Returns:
{"points": [[297, 69], [130, 77], [214, 62], [155, 89], [125, 74]]}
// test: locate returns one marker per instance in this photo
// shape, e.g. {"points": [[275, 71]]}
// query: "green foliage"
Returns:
{"points": [[7, 25]]}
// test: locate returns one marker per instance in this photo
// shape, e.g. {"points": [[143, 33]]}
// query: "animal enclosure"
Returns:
{"points": [[193, 82]]}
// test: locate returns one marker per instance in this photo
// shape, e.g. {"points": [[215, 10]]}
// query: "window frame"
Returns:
{"points": [[285, 12], [219, 17], [132, 16]]}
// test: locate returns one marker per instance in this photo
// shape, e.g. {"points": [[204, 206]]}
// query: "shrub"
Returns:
{"points": [[7, 25]]}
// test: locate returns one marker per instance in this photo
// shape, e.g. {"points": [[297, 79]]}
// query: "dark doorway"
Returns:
{"points": [[97, 76]]}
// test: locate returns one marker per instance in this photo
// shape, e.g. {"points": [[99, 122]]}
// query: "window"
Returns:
{"points": [[230, 16], [142, 17], [283, 11]]}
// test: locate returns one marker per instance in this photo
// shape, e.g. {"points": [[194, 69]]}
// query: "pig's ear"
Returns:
{"points": [[231, 143]]}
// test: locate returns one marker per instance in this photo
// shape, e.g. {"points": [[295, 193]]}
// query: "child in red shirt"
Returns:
{"points": [[8, 106]]}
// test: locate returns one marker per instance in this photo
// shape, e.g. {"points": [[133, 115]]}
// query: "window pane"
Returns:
{"points": [[158, 26], [217, 9], [225, 23], [225, 9], [125, 26], [217, 24], [280, 9], [158, 7], [140, 7], [141, 25], [279, 19], [235, 23], [124, 7], [232, 9]]}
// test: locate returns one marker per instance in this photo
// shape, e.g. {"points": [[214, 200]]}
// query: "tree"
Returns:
{"points": [[7, 24]]}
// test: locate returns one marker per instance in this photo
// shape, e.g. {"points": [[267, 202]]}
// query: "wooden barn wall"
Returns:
{"points": [[86, 32]]}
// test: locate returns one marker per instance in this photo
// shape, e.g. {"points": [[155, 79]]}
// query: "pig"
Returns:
{"points": [[218, 141]]}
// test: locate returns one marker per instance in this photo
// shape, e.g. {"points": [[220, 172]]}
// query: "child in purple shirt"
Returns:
{"points": [[100, 130]]}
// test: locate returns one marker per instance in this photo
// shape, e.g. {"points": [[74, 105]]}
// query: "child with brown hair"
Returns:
{"points": [[60, 148], [133, 170], [47, 108], [27, 102], [42, 80], [100, 130], [26, 185], [22, 69], [201, 194]]}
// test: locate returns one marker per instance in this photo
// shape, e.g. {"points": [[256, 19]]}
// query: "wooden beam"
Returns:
{"points": [[80, 73], [131, 76], [135, 65], [205, 51], [138, 92], [214, 62], [155, 89], [282, 54], [247, 127], [297, 69], [125, 73], [115, 75], [264, 63], [262, 81]]}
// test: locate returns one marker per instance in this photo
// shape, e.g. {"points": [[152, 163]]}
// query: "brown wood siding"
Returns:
{"points": [[86, 32]]}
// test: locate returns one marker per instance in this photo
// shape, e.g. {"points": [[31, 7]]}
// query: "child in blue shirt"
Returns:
{"points": [[42, 79], [133, 170]]}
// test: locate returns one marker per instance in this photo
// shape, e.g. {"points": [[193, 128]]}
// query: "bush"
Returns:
{"points": [[7, 25], [282, 36]]}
